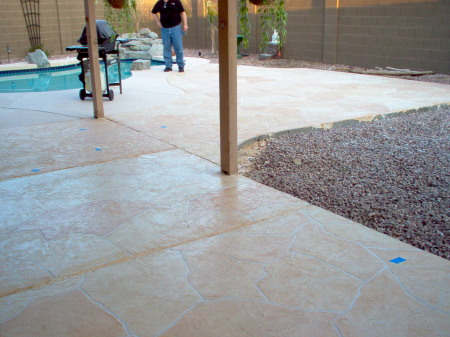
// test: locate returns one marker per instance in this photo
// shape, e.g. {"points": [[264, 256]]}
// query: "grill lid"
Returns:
{"points": [[105, 34]]}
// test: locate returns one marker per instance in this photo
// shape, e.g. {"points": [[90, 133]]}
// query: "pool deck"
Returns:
{"points": [[25, 65], [124, 226]]}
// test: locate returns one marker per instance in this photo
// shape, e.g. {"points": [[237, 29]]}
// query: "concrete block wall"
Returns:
{"points": [[61, 23], [198, 34], [305, 30], [12, 29], [398, 33], [402, 34]]}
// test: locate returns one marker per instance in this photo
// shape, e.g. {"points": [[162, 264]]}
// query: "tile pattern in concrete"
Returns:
{"points": [[129, 228]]}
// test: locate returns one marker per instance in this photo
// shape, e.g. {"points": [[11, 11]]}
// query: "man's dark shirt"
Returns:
{"points": [[169, 12]]}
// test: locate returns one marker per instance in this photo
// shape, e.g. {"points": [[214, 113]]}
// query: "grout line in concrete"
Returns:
{"points": [[128, 258]]}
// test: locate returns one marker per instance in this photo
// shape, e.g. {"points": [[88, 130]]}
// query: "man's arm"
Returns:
{"points": [[184, 21], [156, 18]]}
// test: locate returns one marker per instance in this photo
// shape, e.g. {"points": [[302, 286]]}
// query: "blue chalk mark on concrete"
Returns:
{"points": [[83, 129], [164, 127], [35, 170], [398, 260], [98, 149]]}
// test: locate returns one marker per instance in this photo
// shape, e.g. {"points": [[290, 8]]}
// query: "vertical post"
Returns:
{"points": [[228, 85], [94, 65]]}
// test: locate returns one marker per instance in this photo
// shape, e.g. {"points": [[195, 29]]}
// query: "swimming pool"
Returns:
{"points": [[55, 78]]}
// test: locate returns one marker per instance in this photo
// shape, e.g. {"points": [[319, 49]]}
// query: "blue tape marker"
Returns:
{"points": [[398, 260], [164, 127], [97, 149], [35, 170], [83, 129]]}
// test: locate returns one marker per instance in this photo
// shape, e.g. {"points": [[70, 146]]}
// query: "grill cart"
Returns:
{"points": [[107, 45]]}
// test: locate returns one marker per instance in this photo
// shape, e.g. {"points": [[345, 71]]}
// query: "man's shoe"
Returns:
{"points": [[181, 69], [167, 70]]}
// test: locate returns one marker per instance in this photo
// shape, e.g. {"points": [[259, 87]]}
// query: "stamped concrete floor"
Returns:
{"points": [[125, 226]]}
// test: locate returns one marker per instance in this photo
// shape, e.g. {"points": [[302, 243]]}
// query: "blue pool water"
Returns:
{"points": [[53, 79]]}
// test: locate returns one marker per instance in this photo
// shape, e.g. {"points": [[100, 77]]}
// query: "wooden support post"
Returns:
{"points": [[94, 65], [228, 85]]}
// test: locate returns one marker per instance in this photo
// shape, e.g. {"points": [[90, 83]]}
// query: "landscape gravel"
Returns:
{"points": [[391, 175]]}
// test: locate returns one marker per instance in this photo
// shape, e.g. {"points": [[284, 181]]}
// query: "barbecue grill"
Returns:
{"points": [[107, 45]]}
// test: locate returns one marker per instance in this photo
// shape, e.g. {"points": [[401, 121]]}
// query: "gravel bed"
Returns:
{"points": [[391, 175]]}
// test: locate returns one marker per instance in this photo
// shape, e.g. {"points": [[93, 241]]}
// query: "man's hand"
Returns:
{"points": [[184, 21], [156, 18]]}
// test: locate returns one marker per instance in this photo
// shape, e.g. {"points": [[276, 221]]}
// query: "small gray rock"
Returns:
{"points": [[144, 31], [138, 55], [140, 65], [39, 58], [146, 40], [132, 43], [156, 50], [140, 47]]}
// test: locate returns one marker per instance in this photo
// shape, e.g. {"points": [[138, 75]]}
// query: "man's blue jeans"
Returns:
{"points": [[173, 37]]}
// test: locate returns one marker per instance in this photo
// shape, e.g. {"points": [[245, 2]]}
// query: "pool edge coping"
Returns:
{"points": [[61, 64]]}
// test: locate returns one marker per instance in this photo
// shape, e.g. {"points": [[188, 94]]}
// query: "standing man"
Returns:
{"points": [[172, 20]]}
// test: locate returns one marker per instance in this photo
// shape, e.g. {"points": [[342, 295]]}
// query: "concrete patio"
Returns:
{"points": [[124, 226]]}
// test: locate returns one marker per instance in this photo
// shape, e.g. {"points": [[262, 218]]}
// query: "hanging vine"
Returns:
{"points": [[244, 22], [272, 14], [121, 19]]}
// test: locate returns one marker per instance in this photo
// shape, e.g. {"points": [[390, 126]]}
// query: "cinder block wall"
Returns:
{"points": [[305, 30], [61, 23], [12, 29], [402, 34], [367, 33]]}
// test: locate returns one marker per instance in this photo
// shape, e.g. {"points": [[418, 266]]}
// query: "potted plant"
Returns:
{"points": [[259, 2], [116, 4], [243, 22], [121, 14]]}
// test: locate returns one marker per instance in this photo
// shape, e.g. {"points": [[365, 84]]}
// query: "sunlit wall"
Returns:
{"points": [[397, 33]]}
